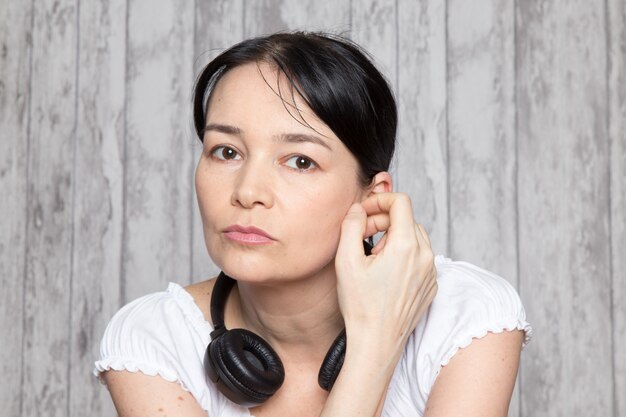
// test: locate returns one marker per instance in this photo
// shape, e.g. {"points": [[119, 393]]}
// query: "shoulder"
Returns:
{"points": [[470, 303], [155, 314], [466, 290], [164, 334], [160, 315], [201, 294]]}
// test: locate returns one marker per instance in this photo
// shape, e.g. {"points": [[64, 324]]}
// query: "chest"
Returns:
{"points": [[276, 409], [295, 398]]}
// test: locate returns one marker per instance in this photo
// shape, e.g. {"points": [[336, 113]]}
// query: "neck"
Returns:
{"points": [[299, 317]]}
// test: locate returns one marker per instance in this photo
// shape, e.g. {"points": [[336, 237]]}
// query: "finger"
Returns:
{"points": [[377, 223], [352, 233], [400, 210]]}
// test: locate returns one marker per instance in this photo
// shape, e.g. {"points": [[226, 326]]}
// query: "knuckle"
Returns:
{"points": [[403, 198], [405, 246]]}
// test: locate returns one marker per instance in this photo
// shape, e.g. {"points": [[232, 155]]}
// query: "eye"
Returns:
{"points": [[225, 153], [301, 163]]}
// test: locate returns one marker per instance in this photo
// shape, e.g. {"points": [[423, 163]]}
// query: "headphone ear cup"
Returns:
{"points": [[331, 366], [245, 367]]}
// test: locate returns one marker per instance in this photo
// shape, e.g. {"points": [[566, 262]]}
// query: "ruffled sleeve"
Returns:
{"points": [[470, 303], [159, 334]]}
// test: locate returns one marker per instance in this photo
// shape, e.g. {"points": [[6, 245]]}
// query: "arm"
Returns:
{"points": [[139, 395], [479, 379]]}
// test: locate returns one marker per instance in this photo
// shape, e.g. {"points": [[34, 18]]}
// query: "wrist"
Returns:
{"points": [[371, 355], [374, 346]]}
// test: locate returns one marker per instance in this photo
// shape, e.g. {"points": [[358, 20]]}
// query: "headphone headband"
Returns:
{"points": [[219, 296]]}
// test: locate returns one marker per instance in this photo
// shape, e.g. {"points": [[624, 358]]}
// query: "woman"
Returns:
{"points": [[298, 131]]}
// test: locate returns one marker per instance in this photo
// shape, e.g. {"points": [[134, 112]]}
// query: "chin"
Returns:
{"points": [[271, 263], [261, 268], [246, 265]]}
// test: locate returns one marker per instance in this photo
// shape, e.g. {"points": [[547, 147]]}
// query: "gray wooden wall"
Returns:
{"points": [[512, 144]]}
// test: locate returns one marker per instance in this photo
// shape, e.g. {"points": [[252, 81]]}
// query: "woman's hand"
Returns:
{"points": [[383, 296]]}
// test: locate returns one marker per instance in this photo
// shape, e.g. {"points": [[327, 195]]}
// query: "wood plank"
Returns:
{"points": [[98, 208], [374, 27], [617, 131], [564, 207], [481, 138], [157, 245], [219, 25], [421, 149], [50, 204], [15, 51], [265, 17], [481, 134]]}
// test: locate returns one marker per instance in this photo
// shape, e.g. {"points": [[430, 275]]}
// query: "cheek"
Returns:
{"points": [[211, 192], [319, 215], [202, 189]]}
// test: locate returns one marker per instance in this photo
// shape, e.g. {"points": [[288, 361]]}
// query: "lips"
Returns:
{"points": [[248, 235]]}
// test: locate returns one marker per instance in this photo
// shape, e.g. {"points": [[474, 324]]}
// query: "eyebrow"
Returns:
{"points": [[302, 138], [216, 127], [285, 137]]}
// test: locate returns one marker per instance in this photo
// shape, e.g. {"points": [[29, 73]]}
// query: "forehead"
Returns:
{"points": [[259, 92]]}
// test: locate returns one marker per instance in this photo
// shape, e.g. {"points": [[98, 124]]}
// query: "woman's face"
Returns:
{"points": [[272, 191]]}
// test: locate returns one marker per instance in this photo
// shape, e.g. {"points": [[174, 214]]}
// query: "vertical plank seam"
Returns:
{"points": [[607, 77], [28, 203], [191, 223], [243, 18], [447, 136], [350, 19], [124, 232], [397, 48], [516, 181], [68, 376]]}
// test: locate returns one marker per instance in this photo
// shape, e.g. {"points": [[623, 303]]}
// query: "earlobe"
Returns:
{"points": [[381, 183]]}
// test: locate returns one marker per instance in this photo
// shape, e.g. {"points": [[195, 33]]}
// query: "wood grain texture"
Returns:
{"points": [[98, 202], [616, 31], [50, 195], [421, 149], [15, 52], [262, 18], [374, 28], [157, 239], [481, 134], [269, 16], [481, 138], [564, 207]]}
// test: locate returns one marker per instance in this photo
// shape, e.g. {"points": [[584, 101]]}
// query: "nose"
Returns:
{"points": [[252, 187]]}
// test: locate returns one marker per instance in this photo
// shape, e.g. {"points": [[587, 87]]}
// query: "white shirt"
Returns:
{"points": [[165, 334]]}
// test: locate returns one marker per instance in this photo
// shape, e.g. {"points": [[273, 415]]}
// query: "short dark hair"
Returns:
{"points": [[336, 79]]}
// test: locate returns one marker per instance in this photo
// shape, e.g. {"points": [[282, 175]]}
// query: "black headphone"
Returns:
{"points": [[244, 367]]}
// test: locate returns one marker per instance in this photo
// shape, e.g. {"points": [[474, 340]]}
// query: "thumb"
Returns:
{"points": [[352, 230]]}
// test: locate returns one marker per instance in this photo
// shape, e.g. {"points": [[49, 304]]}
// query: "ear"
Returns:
{"points": [[381, 183]]}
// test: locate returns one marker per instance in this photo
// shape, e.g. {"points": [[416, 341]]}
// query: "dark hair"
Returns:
{"points": [[334, 77]]}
